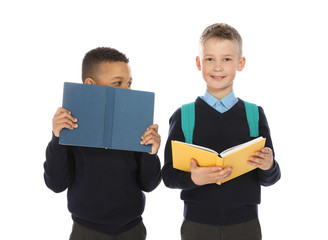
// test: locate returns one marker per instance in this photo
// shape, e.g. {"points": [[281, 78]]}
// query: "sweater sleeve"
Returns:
{"points": [[58, 167], [149, 175], [271, 176], [172, 177]]}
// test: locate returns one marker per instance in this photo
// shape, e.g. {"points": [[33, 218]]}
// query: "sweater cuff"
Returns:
{"points": [[271, 170], [271, 176], [150, 159], [190, 183], [54, 143], [54, 138]]}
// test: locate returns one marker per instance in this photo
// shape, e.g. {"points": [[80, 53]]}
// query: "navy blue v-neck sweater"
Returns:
{"points": [[236, 200], [104, 187]]}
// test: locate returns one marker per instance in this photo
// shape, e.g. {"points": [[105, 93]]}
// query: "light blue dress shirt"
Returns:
{"points": [[220, 105]]}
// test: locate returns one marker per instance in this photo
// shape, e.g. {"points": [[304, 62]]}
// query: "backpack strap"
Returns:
{"points": [[188, 121], [252, 114]]}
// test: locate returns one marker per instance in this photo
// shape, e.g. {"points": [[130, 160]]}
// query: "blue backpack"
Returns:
{"points": [[188, 120]]}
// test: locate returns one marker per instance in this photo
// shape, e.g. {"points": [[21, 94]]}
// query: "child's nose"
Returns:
{"points": [[218, 67]]}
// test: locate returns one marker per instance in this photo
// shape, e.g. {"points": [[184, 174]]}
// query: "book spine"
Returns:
{"points": [[109, 117]]}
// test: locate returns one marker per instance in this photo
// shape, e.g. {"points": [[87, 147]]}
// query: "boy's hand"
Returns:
{"points": [[206, 175], [151, 136], [63, 119], [262, 159]]}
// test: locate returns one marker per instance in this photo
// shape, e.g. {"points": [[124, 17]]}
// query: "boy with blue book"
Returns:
{"points": [[104, 186], [220, 121]]}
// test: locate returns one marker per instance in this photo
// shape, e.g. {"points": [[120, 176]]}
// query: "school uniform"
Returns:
{"points": [[104, 187], [219, 125]]}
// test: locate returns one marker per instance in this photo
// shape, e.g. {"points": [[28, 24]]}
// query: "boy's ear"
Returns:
{"points": [[241, 64], [198, 64], [89, 81]]}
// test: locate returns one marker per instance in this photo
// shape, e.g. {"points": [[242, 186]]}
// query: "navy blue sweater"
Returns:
{"points": [[104, 186], [236, 200]]}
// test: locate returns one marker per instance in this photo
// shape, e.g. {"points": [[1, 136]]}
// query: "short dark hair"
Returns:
{"points": [[222, 31], [94, 57]]}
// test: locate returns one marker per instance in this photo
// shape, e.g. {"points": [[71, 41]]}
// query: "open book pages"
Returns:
{"points": [[227, 151], [240, 146]]}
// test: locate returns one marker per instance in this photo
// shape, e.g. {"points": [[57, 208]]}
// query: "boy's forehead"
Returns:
{"points": [[114, 66], [216, 45]]}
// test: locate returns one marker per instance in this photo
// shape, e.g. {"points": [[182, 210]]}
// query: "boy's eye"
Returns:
{"points": [[117, 83], [129, 84], [209, 59], [227, 59]]}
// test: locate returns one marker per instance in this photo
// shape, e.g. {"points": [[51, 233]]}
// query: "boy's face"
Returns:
{"points": [[219, 60], [113, 74]]}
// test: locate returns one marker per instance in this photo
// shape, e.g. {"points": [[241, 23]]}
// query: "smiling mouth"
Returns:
{"points": [[218, 78]]}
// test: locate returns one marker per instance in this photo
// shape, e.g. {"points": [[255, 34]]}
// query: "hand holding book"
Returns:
{"points": [[151, 136], [207, 175], [63, 119], [262, 159]]}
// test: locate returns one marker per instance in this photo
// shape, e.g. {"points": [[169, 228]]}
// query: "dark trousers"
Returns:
{"points": [[80, 232], [250, 230]]}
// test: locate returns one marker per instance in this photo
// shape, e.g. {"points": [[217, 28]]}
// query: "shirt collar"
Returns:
{"points": [[228, 101]]}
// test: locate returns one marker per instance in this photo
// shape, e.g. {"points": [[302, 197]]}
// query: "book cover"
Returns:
{"points": [[235, 157], [108, 117]]}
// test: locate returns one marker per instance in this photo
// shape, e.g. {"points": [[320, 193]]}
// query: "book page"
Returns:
{"points": [[199, 147], [240, 146]]}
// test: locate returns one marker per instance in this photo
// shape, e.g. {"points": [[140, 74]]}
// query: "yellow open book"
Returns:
{"points": [[235, 157]]}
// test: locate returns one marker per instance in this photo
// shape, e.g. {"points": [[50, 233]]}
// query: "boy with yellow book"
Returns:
{"points": [[227, 211], [235, 157]]}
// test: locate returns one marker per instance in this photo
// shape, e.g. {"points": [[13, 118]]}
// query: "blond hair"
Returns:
{"points": [[222, 31]]}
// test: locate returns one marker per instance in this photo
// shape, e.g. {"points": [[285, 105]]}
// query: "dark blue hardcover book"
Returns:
{"points": [[108, 117]]}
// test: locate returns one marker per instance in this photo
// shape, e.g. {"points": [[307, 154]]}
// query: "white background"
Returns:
{"points": [[285, 45]]}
